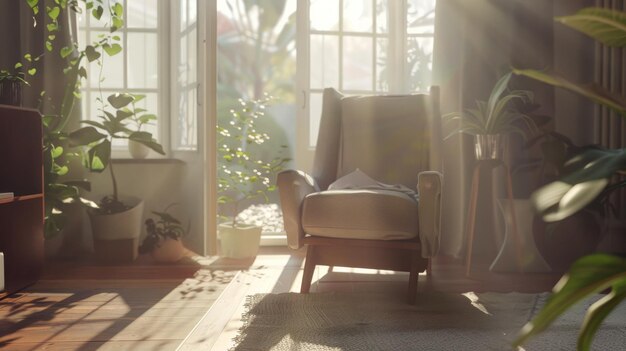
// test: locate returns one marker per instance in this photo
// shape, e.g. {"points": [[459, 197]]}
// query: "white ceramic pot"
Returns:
{"points": [[239, 242], [168, 251], [119, 230], [138, 150]]}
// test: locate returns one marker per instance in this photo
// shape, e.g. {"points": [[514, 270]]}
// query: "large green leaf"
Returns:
{"points": [[98, 156], [120, 100], [146, 139], [605, 25], [588, 275], [85, 136], [593, 168], [594, 93]]}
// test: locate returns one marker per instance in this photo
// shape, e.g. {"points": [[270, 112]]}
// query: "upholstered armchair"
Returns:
{"points": [[392, 139]]}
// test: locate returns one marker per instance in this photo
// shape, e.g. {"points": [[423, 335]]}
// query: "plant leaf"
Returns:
{"points": [[85, 136], [91, 53], [592, 170], [598, 312], [112, 50], [120, 100], [146, 139], [596, 94], [99, 156], [605, 25], [588, 275]]}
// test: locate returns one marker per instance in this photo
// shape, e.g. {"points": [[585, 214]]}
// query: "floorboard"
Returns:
{"points": [[198, 304]]}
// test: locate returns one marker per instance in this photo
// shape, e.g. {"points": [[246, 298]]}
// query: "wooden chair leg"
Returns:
{"points": [[309, 268], [429, 268], [414, 277]]}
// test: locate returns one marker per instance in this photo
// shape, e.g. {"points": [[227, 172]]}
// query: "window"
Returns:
{"points": [[134, 70], [152, 30], [361, 47], [185, 74]]}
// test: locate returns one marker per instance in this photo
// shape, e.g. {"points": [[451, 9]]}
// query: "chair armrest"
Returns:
{"points": [[293, 186], [429, 188]]}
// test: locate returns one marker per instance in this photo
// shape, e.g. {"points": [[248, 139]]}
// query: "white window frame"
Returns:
{"points": [[397, 35], [163, 41]]}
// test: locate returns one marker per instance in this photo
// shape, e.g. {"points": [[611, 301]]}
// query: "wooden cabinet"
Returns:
{"points": [[21, 217]]}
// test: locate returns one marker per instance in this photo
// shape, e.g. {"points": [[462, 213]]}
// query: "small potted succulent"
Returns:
{"points": [[164, 238], [242, 177]]}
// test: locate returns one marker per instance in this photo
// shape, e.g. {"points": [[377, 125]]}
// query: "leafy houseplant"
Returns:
{"points": [[56, 150], [164, 237], [498, 115], [114, 124], [241, 177], [11, 88], [590, 179]]}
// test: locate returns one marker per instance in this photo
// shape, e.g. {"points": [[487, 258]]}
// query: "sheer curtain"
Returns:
{"points": [[476, 42]]}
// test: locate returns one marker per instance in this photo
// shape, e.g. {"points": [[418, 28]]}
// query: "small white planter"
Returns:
{"points": [[239, 242], [138, 150], [118, 231]]}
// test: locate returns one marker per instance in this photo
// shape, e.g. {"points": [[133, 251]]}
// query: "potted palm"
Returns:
{"points": [[492, 121], [115, 220], [242, 177]]}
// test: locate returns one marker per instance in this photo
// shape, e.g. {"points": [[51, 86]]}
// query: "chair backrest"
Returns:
{"points": [[389, 137]]}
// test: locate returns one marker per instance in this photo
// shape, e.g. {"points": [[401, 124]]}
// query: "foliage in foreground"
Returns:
{"points": [[562, 198]]}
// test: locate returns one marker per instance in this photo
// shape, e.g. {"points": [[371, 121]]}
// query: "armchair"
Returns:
{"points": [[393, 139]]}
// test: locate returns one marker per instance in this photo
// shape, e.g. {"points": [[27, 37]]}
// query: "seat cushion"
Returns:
{"points": [[360, 214]]}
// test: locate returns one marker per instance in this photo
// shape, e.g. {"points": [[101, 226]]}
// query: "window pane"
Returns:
{"points": [[420, 16], [419, 63], [324, 61], [112, 72], [357, 16], [382, 8], [324, 14], [357, 63], [382, 64], [105, 20], [183, 14], [141, 13], [142, 53], [192, 56], [315, 113], [193, 11]]}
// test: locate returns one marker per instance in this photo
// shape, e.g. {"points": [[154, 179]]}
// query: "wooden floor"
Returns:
{"points": [[196, 305]]}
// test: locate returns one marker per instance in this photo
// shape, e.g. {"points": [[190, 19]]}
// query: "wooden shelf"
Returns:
{"points": [[21, 217], [21, 198]]}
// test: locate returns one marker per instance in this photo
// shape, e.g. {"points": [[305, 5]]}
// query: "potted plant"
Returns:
{"points": [[139, 119], [243, 177], [164, 237], [11, 88], [60, 194], [591, 177], [115, 220], [491, 121]]}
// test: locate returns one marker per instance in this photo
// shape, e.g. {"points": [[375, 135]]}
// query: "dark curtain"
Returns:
{"points": [[19, 36], [476, 42], [610, 128]]}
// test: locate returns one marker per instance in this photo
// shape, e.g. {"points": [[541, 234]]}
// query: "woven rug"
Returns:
{"points": [[376, 321]]}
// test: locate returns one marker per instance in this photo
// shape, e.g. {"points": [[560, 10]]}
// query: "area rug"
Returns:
{"points": [[440, 321]]}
